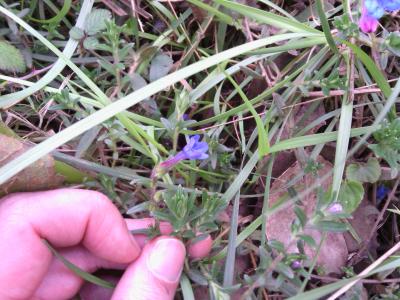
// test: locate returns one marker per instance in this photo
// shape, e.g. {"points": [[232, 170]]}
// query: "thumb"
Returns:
{"points": [[155, 274]]}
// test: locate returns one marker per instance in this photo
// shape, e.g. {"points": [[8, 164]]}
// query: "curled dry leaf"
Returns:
{"points": [[333, 253], [38, 176]]}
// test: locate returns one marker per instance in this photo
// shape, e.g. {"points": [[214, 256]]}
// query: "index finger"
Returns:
{"points": [[64, 217]]}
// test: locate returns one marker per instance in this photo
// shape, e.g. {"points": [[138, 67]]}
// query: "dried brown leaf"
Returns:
{"points": [[40, 175]]}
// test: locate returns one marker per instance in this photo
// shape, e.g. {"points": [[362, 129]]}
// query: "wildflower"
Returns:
{"points": [[373, 10], [335, 208], [381, 192], [193, 150], [367, 23]]}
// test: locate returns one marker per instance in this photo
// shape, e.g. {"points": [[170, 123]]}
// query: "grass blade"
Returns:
{"points": [[32, 155]]}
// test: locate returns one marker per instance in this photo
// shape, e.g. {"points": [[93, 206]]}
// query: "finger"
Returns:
{"points": [[146, 223], [196, 250], [155, 274], [92, 291], [65, 218], [58, 275], [200, 249], [61, 283]]}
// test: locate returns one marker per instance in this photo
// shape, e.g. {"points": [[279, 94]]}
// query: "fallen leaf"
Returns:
{"points": [[362, 221], [333, 252], [40, 175]]}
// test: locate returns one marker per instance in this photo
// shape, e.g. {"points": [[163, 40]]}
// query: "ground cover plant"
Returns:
{"points": [[270, 125]]}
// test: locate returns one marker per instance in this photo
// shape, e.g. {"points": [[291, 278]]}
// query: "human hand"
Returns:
{"points": [[87, 229]]}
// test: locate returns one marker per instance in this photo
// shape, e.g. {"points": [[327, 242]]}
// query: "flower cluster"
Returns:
{"points": [[193, 150], [373, 10]]}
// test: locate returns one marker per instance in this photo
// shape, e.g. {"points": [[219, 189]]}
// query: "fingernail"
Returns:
{"points": [[166, 259]]}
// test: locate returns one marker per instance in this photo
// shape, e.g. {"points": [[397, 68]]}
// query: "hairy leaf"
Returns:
{"points": [[11, 58], [364, 172], [96, 21], [350, 195]]}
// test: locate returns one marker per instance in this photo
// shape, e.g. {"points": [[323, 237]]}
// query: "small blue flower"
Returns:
{"points": [[390, 5], [195, 149], [373, 10], [381, 192]]}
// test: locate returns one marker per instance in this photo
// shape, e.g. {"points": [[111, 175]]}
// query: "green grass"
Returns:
{"points": [[253, 80]]}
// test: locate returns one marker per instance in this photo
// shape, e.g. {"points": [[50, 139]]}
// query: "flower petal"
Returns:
{"points": [[368, 23]]}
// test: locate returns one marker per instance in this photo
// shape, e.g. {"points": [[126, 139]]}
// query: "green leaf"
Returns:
{"points": [[392, 42], [263, 16], [350, 195], [96, 21], [364, 172], [263, 142], [331, 226], [90, 43], [137, 81], [387, 153], [76, 33], [60, 14], [372, 68], [308, 239], [160, 66], [212, 11], [325, 26], [11, 58]]}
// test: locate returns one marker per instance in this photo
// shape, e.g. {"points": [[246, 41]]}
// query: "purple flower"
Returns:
{"points": [[367, 23], [373, 10], [193, 150], [335, 208]]}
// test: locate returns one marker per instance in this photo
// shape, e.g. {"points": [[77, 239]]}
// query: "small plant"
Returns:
{"points": [[388, 146], [189, 216]]}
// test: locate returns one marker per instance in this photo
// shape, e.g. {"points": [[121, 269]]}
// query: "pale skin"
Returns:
{"points": [[88, 230]]}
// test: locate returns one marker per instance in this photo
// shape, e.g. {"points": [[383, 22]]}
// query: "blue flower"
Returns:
{"points": [[194, 149], [390, 5], [381, 192], [373, 10]]}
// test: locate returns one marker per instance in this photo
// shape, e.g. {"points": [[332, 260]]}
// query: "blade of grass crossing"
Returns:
{"points": [[267, 18], [263, 143], [213, 11], [325, 26], [32, 155], [78, 271], [229, 271], [346, 117], [186, 288], [11, 99]]}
